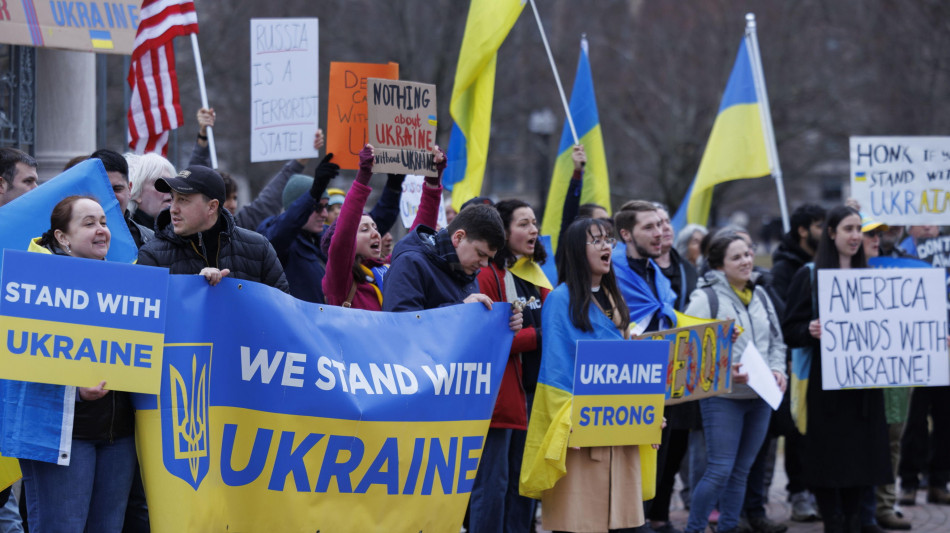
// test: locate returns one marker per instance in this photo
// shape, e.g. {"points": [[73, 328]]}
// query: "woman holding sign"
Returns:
{"points": [[355, 265], [582, 489], [845, 440], [75, 444], [736, 423]]}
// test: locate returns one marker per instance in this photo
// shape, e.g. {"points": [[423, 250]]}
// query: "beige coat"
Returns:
{"points": [[601, 491]]}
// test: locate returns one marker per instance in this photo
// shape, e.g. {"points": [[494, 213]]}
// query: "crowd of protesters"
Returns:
{"points": [[616, 277]]}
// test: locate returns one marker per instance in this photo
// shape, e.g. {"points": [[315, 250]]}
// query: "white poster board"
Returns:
{"points": [[902, 180], [411, 198], [883, 328], [284, 83]]}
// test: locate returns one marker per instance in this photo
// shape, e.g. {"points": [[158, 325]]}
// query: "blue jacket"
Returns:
{"points": [[298, 250], [425, 273]]}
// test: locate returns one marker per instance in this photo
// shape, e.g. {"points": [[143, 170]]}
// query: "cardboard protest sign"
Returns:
{"points": [[284, 88], [902, 180], [78, 322], [619, 389], [84, 25], [700, 361], [935, 251], [402, 122], [346, 108], [883, 328], [411, 198]]}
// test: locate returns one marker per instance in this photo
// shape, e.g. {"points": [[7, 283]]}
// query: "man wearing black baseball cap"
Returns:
{"points": [[196, 235]]}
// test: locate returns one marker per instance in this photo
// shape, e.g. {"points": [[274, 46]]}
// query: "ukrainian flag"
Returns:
{"points": [[101, 39], [489, 22], [9, 471], [587, 123], [736, 147]]}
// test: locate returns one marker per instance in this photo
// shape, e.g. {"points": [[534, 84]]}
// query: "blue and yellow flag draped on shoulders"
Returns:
{"points": [[736, 148], [488, 24], [587, 123], [550, 424]]}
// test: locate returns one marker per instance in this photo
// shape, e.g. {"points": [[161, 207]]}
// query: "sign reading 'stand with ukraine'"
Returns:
{"points": [[619, 392], [281, 415], [72, 321]]}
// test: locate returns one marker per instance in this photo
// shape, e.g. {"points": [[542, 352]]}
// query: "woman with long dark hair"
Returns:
{"points": [[845, 441], [582, 489], [736, 423], [515, 276]]}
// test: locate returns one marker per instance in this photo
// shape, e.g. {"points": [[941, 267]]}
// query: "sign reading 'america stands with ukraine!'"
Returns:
{"points": [[281, 415]]}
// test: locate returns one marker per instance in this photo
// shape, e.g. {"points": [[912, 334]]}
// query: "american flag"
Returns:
{"points": [[155, 109]]}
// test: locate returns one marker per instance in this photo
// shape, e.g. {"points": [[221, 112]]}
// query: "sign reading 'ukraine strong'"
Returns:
{"points": [[72, 321], [281, 415], [619, 392]]}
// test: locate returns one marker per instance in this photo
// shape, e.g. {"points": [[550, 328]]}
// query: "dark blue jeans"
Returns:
{"points": [[734, 430], [88, 495], [495, 504]]}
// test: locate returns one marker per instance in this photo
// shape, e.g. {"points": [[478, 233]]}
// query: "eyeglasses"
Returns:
{"points": [[610, 241]]}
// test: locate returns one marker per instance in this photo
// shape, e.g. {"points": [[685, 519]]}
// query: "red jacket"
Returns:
{"points": [[511, 405]]}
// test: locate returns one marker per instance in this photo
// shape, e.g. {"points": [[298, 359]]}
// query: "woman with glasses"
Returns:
{"points": [[736, 423], [581, 489]]}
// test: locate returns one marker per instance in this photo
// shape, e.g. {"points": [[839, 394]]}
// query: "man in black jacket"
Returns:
{"points": [[798, 246], [196, 235]]}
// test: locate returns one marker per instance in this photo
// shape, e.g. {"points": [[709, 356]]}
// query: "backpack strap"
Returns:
{"points": [[713, 301], [349, 297]]}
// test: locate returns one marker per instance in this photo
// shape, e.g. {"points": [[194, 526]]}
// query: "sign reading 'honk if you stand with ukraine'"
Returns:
{"points": [[70, 321]]}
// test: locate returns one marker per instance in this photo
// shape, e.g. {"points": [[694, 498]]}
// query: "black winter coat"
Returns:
{"points": [[425, 273], [247, 254], [846, 443], [786, 260]]}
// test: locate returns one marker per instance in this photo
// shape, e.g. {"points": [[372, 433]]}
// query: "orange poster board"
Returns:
{"points": [[347, 118]]}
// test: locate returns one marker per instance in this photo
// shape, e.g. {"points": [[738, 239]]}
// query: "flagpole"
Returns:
{"points": [[752, 42], [204, 97], [557, 78]]}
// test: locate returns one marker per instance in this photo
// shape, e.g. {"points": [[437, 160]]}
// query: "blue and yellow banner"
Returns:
{"points": [[736, 146], [473, 95], [700, 360], [281, 415], [619, 389], [71, 321], [596, 188]]}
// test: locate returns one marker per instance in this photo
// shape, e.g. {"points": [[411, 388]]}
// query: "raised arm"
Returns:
{"points": [[428, 213], [342, 254]]}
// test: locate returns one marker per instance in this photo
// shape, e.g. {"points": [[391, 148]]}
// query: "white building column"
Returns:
{"points": [[65, 108]]}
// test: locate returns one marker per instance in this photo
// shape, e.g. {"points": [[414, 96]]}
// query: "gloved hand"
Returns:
{"points": [[440, 162], [366, 165], [325, 172]]}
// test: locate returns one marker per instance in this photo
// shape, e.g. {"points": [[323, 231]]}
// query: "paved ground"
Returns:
{"points": [[926, 517]]}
